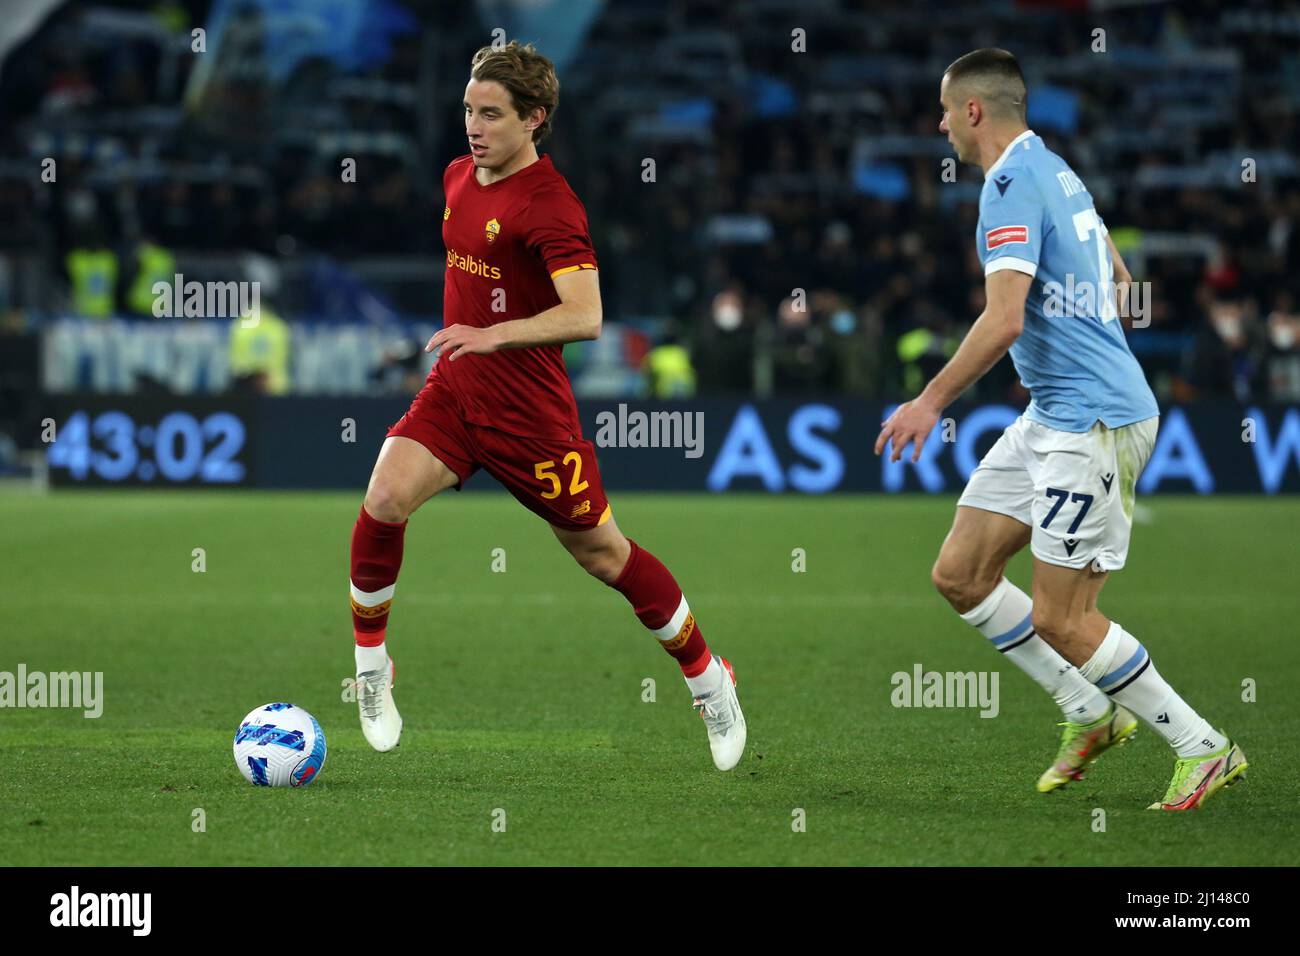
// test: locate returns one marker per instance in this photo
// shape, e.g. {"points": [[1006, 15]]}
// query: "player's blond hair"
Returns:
{"points": [[528, 77]]}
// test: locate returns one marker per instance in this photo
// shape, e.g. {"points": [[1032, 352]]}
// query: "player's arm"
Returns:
{"points": [[578, 317], [988, 340]]}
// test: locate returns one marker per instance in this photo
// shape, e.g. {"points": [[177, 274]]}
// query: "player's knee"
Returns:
{"points": [[1053, 625], [962, 589], [600, 563], [385, 501], [944, 582], [604, 561]]}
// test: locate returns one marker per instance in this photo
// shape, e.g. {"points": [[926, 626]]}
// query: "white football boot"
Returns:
{"points": [[722, 716], [380, 721]]}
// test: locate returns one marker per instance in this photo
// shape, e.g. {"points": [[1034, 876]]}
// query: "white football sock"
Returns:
{"points": [[1004, 617], [1123, 669], [371, 658], [709, 679]]}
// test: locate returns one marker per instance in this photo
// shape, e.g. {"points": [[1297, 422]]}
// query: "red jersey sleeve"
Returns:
{"points": [[557, 232]]}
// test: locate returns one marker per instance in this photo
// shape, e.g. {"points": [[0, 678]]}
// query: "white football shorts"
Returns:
{"points": [[1074, 489]]}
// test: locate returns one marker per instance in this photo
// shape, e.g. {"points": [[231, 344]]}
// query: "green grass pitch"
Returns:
{"points": [[522, 691]]}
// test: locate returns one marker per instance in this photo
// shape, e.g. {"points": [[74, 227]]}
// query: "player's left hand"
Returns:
{"points": [[911, 423], [458, 340]]}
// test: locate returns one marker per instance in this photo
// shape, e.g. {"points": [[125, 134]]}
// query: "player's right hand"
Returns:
{"points": [[457, 340], [911, 424]]}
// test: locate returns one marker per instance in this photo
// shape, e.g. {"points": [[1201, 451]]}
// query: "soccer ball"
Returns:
{"points": [[279, 745]]}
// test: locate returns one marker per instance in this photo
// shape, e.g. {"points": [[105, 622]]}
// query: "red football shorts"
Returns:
{"points": [[555, 478]]}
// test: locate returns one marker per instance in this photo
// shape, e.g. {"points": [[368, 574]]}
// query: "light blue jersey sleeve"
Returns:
{"points": [[1011, 227], [1038, 218]]}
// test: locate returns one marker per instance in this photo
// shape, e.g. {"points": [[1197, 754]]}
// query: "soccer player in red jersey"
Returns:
{"points": [[521, 281]]}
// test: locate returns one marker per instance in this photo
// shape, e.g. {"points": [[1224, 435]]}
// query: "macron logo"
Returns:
{"points": [[103, 909], [1004, 235]]}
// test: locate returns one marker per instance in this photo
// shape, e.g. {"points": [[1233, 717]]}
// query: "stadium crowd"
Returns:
{"points": [[765, 182]]}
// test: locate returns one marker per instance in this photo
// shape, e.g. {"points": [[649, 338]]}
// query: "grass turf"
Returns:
{"points": [[522, 691]]}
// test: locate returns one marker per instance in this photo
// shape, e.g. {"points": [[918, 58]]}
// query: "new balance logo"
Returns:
{"points": [[1162, 719], [1070, 545], [1106, 480]]}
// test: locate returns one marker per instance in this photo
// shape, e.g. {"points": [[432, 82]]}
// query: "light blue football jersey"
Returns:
{"points": [[1037, 217]]}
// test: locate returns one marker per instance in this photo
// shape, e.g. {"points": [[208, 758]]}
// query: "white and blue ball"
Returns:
{"points": [[279, 745]]}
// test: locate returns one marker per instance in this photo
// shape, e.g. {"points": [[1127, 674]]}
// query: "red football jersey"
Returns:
{"points": [[505, 244]]}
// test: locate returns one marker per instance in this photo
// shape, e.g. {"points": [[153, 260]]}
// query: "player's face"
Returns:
{"points": [[496, 133], [951, 124]]}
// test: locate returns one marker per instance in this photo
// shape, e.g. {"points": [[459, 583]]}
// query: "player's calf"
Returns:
{"points": [[1073, 635], [376, 559], [1006, 618]]}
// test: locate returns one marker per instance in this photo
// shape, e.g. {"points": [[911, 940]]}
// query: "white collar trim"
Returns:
{"points": [[1007, 152]]}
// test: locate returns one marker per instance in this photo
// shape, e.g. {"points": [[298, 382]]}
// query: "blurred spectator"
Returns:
{"points": [[724, 344], [151, 264], [400, 371], [92, 277], [1228, 355], [1284, 350], [668, 370], [259, 353], [801, 353], [924, 351]]}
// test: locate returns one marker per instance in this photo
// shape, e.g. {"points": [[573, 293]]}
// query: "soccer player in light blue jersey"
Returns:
{"points": [[1061, 478]]}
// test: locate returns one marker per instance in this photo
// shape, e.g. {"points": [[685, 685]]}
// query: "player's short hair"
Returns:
{"points": [[994, 76], [528, 77]]}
